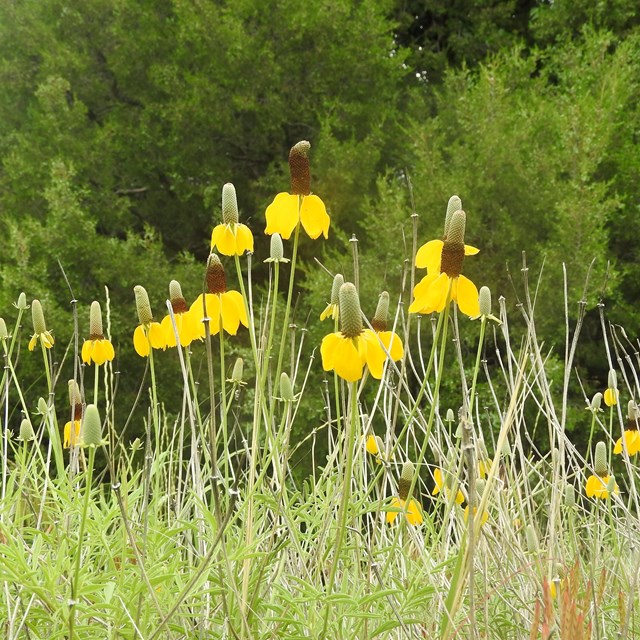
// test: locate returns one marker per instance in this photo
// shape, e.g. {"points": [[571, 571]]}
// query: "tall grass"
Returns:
{"points": [[209, 534]]}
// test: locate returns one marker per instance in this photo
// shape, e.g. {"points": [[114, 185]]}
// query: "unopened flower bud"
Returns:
{"points": [[299, 169], [238, 371], [532, 539], [26, 430], [451, 416], [350, 313], [143, 306], [4, 334], [276, 250], [600, 464], [406, 479], [37, 316], [95, 322], [229, 204], [216, 279], [596, 402], [485, 301], [480, 486], [632, 411], [569, 495], [379, 322], [91, 434], [22, 302], [611, 485], [454, 204], [286, 389], [43, 407]]}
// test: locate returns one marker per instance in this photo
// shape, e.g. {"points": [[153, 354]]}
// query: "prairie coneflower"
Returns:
{"points": [[391, 340], [231, 238], [71, 433], [332, 310], [97, 348], [225, 309], [601, 484], [631, 434], [403, 501], [611, 394], [346, 352], [148, 334], [39, 328], [443, 483], [187, 327], [374, 446], [443, 260], [299, 206]]}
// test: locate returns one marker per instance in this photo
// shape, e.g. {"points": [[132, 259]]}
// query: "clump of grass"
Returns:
{"points": [[420, 522]]}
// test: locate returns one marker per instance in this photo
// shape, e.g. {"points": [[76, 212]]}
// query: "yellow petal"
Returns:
{"points": [[314, 217], [47, 340], [611, 397], [437, 477], [470, 251], [223, 239], [436, 296], [429, 256], [140, 342], [244, 239], [375, 355], [420, 295], [618, 446], [102, 351], [341, 355], [282, 215], [241, 308], [156, 336], [372, 445], [230, 314], [87, 348], [414, 513], [168, 332], [395, 503], [32, 342], [466, 295], [392, 343]]}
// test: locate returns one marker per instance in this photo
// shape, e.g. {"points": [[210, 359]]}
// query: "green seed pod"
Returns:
{"points": [[613, 380], [596, 402], [601, 466], [450, 416], [37, 315], [454, 204], [299, 169], [569, 495], [4, 334], [178, 303], [26, 430], [143, 306], [286, 389], [229, 204], [216, 279], [350, 313], [532, 539], [338, 281], [276, 251], [611, 485], [406, 479], [95, 322], [379, 322], [43, 407], [22, 302], [91, 433], [238, 371], [485, 301]]}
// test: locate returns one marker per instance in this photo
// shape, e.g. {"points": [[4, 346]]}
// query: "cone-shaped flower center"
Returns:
{"points": [[95, 322], [454, 204], [37, 315], [143, 305], [379, 322], [350, 314], [406, 478], [601, 467], [216, 279], [229, 204], [178, 303], [299, 169]]}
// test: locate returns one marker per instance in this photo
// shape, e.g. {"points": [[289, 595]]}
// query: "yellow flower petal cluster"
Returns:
{"points": [[597, 487], [348, 356], [39, 328], [438, 478], [225, 310], [186, 325], [232, 239], [413, 511], [631, 440], [71, 434], [98, 351], [147, 336], [611, 397]]}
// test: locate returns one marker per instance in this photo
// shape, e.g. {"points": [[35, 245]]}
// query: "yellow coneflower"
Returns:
{"points": [[391, 340], [611, 394], [631, 433], [289, 209], [71, 432], [601, 484], [231, 238], [442, 484], [403, 501], [148, 334], [188, 329], [39, 328], [97, 348]]}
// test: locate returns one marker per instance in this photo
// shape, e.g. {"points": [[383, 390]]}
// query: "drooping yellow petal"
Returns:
{"points": [[429, 256], [437, 477], [485, 515], [314, 217], [212, 301], [596, 487], [328, 350], [102, 351], [632, 442], [375, 355], [470, 251], [414, 513], [168, 332], [341, 355], [244, 239], [32, 342], [230, 313], [223, 239], [282, 215], [372, 445], [436, 296], [396, 503], [611, 397], [156, 336], [71, 437], [140, 342], [467, 297], [87, 348], [392, 343], [238, 300], [420, 295]]}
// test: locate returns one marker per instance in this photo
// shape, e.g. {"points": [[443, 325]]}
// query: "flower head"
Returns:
{"points": [[375, 446], [97, 348], [443, 260], [332, 310], [231, 238], [186, 326], [631, 434], [299, 206], [346, 352], [601, 484], [403, 501], [148, 334], [39, 328], [71, 432], [224, 309], [611, 394], [391, 341]]}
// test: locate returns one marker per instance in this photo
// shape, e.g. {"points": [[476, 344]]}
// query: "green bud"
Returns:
{"points": [[43, 407], [485, 301], [37, 315], [632, 410], [613, 380], [91, 433], [286, 389], [143, 306], [276, 250], [601, 466], [596, 401], [338, 281], [532, 539], [4, 334], [450, 416], [238, 371], [350, 313], [611, 485], [22, 302], [26, 430], [379, 322], [406, 479], [454, 204], [480, 486], [229, 204], [569, 495], [95, 321]]}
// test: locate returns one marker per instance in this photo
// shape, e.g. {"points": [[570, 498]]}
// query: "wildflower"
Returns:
{"points": [[391, 340], [97, 348], [4, 334], [276, 250], [39, 328], [237, 373], [71, 433], [231, 238], [611, 394], [443, 260], [224, 308], [148, 334], [403, 501], [631, 434], [346, 352], [332, 310], [601, 484], [484, 306], [187, 327], [374, 446], [26, 430], [441, 484], [91, 427], [299, 206], [596, 403]]}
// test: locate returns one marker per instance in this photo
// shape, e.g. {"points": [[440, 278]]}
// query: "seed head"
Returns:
{"points": [[454, 204], [229, 204], [37, 315], [379, 322], [601, 466], [350, 313], [406, 479], [95, 322], [338, 281], [178, 303], [91, 433], [299, 169], [216, 279], [143, 306]]}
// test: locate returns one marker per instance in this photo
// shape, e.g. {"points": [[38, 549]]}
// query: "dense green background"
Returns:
{"points": [[121, 120]]}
